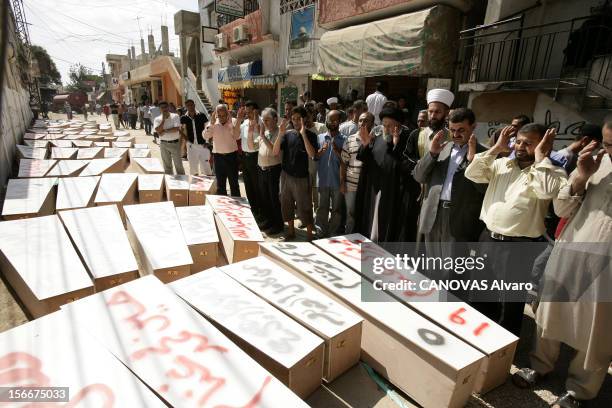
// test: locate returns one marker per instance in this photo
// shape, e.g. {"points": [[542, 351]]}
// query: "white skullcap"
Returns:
{"points": [[332, 100], [440, 95]]}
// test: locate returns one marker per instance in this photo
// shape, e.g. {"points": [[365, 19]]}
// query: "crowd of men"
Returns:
{"points": [[367, 169]]}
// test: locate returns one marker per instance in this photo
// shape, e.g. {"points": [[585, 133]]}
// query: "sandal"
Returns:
{"points": [[567, 400], [526, 378]]}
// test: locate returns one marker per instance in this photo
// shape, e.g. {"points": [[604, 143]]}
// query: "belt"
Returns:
{"points": [[250, 153], [226, 154], [500, 237], [445, 204], [170, 141], [268, 168]]}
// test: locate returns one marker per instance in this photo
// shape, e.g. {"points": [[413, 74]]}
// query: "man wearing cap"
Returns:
{"points": [[334, 106], [386, 202], [439, 102]]}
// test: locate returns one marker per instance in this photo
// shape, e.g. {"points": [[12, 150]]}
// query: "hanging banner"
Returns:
{"points": [[302, 31]]}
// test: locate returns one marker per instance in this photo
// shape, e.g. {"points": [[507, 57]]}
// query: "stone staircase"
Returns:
{"points": [[205, 101]]}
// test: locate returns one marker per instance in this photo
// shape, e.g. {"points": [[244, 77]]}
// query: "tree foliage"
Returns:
{"points": [[48, 71], [83, 79]]}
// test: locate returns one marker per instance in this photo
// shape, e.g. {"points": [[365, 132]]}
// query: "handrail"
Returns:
{"points": [[524, 28], [482, 27]]}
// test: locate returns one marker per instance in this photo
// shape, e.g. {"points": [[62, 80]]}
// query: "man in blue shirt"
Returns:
{"points": [[328, 172]]}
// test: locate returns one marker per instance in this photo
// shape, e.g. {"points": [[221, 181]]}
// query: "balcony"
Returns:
{"points": [[559, 56], [250, 6]]}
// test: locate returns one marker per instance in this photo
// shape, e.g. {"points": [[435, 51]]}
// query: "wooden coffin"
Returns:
{"points": [[282, 346], [198, 226], [138, 153], [150, 188], [61, 143], [175, 351], [339, 327], [124, 137], [76, 192], [27, 152], [68, 168], [496, 343], [97, 167], [34, 136], [122, 145], [51, 351], [199, 188], [64, 153], [90, 153], [177, 189], [100, 239], [82, 143], [150, 165], [117, 188], [431, 365], [76, 137], [156, 235], [115, 152], [94, 138], [29, 168], [104, 144], [41, 265], [37, 144], [32, 197], [237, 227]]}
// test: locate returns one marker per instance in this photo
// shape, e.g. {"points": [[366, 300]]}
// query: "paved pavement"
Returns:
{"points": [[357, 388]]}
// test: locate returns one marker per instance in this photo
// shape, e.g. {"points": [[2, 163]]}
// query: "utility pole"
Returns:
{"points": [[21, 29]]}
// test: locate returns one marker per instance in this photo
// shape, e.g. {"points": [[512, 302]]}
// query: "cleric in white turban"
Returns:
{"points": [[443, 96], [332, 103]]}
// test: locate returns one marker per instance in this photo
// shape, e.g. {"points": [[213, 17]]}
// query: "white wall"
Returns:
{"points": [[209, 60]]}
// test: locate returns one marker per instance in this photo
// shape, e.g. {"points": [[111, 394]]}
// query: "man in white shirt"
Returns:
{"points": [[154, 112], [376, 101], [351, 126], [167, 126]]}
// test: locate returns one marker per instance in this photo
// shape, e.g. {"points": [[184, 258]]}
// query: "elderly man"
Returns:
{"points": [[452, 203], [269, 170], [328, 174], [351, 168], [580, 266], [221, 130], [351, 126], [296, 147], [386, 202], [167, 126], [247, 115], [422, 119], [516, 203]]}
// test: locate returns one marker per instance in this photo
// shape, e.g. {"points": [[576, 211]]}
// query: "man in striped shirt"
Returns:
{"points": [[351, 167]]}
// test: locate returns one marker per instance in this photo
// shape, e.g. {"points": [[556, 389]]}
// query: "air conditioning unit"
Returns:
{"points": [[241, 34], [221, 42]]}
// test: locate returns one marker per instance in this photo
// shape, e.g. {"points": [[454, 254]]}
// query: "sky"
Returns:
{"points": [[84, 31]]}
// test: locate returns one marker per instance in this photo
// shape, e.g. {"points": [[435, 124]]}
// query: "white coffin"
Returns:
{"points": [[442, 368], [334, 323], [41, 265], [27, 152], [30, 197], [97, 167], [238, 229], [281, 345], [100, 239], [150, 165], [76, 192], [89, 153], [199, 188], [61, 143], [177, 189], [64, 153], [34, 168], [122, 145], [102, 143], [155, 233], [200, 232], [117, 188], [150, 188], [37, 144], [141, 146], [459, 318], [34, 136], [82, 143], [175, 351], [52, 351], [138, 153], [115, 152], [68, 168]]}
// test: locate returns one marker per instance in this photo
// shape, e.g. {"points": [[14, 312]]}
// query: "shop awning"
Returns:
{"points": [[260, 81], [415, 44], [237, 73]]}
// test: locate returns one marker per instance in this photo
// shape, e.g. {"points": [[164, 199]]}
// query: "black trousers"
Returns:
{"points": [[226, 168], [133, 119], [249, 176], [269, 183], [507, 314], [147, 125]]}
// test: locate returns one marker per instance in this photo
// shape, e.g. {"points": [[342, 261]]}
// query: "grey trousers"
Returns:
{"points": [[328, 218], [582, 384], [171, 153]]}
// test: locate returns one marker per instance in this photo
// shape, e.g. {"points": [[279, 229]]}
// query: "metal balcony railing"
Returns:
{"points": [[507, 51], [249, 7]]}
